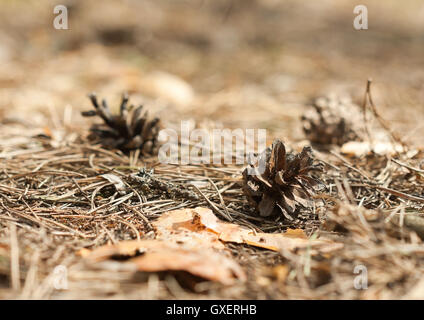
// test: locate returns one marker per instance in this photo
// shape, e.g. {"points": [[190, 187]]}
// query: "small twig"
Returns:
{"points": [[133, 228], [406, 166], [391, 191], [221, 199], [82, 192], [380, 119], [214, 207], [364, 109], [350, 166], [141, 215]]}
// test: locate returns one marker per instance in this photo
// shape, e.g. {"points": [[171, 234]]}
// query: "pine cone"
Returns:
{"points": [[332, 121], [127, 131], [285, 184]]}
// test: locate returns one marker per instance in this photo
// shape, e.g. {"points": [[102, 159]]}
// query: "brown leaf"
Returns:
{"points": [[207, 264], [229, 232], [185, 227], [158, 255], [121, 249], [191, 240]]}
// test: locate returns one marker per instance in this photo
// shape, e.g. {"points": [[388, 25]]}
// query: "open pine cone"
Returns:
{"points": [[129, 130], [332, 121], [285, 184]]}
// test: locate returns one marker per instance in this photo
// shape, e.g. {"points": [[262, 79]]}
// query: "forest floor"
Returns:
{"points": [[74, 223]]}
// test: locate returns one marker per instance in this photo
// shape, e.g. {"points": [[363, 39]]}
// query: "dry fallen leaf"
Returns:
{"points": [[202, 221], [207, 264], [157, 255], [121, 249], [184, 226], [192, 240]]}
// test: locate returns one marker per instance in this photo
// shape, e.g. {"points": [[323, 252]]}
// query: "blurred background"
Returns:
{"points": [[237, 63]]}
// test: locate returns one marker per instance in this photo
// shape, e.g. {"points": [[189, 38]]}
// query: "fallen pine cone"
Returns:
{"points": [[285, 184], [129, 130], [332, 121]]}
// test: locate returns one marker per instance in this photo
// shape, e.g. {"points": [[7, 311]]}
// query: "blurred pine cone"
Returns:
{"points": [[332, 120], [285, 183], [129, 130]]}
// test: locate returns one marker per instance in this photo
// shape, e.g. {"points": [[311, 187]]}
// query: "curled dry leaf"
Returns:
{"points": [[192, 240], [157, 255], [207, 264], [186, 227], [121, 249], [202, 221]]}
